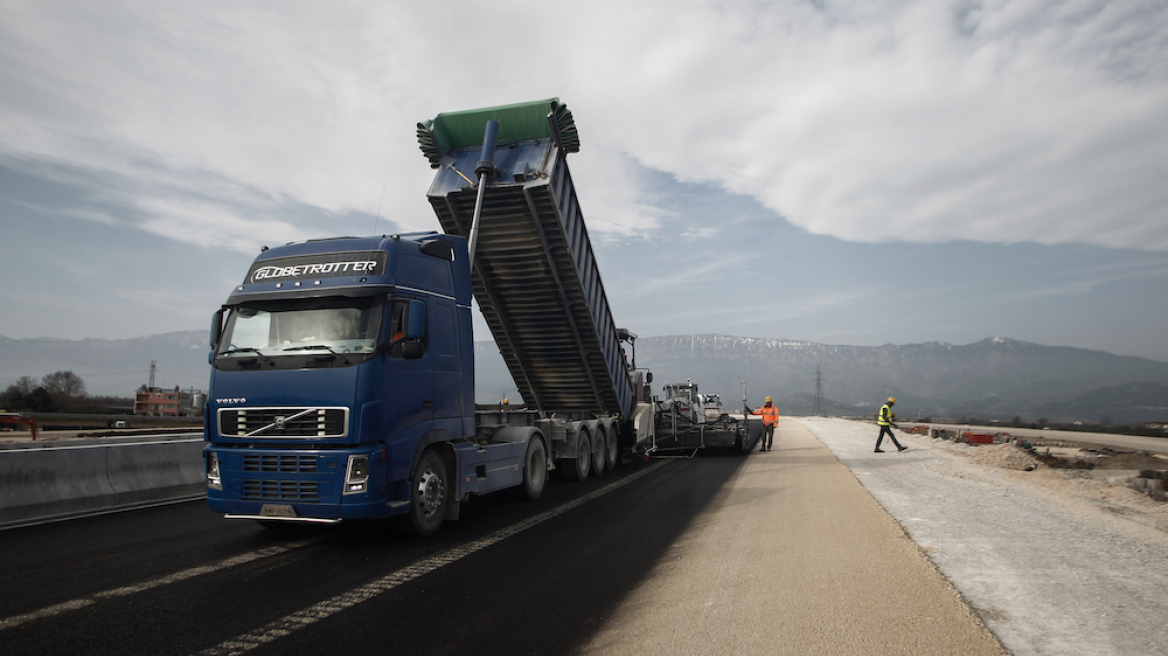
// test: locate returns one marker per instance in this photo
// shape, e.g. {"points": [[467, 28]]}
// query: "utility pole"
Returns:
{"points": [[818, 392]]}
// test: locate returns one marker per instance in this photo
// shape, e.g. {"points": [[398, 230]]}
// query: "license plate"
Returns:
{"points": [[277, 510]]}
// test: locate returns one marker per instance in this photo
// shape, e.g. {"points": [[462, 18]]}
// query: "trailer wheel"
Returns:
{"points": [[600, 453], [534, 468], [577, 470], [429, 495], [612, 458]]}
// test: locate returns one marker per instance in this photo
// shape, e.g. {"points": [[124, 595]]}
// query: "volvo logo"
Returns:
{"points": [[280, 422], [231, 401]]}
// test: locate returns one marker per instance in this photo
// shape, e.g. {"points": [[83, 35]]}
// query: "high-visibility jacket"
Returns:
{"points": [[770, 415], [885, 416]]}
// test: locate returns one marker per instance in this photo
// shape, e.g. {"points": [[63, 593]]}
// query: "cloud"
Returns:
{"points": [[622, 210], [1007, 122], [870, 121]]}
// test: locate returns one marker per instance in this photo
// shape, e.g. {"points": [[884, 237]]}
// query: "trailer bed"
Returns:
{"points": [[534, 276]]}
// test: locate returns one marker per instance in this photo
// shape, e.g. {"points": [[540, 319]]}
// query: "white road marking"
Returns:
{"points": [[82, 602], [288, 624]]}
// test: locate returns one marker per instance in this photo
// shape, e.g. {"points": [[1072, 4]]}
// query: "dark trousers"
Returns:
{"points": [[768, 436], [888, 430]]}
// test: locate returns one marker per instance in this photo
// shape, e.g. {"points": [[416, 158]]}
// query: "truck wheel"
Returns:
{"points": [[612, 458], [534, 468], [577, 470], [599, 454], [428, 496]]}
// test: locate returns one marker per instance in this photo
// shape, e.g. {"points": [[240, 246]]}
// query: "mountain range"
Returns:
{"points": [[995, 378]]}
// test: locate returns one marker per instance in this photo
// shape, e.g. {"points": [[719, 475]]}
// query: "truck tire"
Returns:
{"points": [[612, 458], [577, 469], [429, 496], [534, 468], [599, 453]]}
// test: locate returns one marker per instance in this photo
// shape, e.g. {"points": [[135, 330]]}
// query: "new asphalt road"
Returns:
{"points": [[776, 552]]}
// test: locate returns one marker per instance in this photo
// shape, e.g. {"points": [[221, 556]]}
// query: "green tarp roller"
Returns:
{"points": [[540, 119]]}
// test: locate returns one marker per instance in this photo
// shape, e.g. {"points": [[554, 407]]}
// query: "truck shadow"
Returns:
{"points": [[548, 588]]}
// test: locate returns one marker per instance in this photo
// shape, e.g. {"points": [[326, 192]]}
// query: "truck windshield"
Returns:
{"points": [[337, 325]]}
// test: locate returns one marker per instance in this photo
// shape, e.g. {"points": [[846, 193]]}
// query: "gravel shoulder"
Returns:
{"points": [[1052, 564], [793, 556]]}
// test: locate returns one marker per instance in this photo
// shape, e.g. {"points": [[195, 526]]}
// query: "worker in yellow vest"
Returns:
{"points": [[886, 419], [770, 419]]}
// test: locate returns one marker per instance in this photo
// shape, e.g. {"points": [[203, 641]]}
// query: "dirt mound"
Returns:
{"points": [[1132, 497], [1130, 461], [1003, 456]]}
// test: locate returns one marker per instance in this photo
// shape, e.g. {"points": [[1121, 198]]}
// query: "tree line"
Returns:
{"points": [[60, 391]]}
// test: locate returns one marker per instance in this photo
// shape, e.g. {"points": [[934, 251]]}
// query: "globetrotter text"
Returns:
{"points": [[302, 270]]}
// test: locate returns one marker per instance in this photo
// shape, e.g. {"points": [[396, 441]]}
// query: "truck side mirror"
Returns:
{"points": [[216, 328], [413, 349], [410, 342], [417, 320]]}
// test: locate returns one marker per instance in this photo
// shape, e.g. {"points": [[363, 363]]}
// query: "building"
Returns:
{"points": [[155, 401]]}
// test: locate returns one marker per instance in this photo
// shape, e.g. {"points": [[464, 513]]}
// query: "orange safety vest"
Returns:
{"points": [[770, 416]]}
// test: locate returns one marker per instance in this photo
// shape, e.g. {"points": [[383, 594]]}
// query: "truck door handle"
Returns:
{"points": [[427, 404]]}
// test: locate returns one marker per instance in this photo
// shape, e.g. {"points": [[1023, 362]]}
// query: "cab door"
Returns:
{"points": [[407, 370]]}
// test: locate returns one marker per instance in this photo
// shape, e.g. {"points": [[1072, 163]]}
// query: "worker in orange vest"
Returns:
{"points": [[770, 419]]}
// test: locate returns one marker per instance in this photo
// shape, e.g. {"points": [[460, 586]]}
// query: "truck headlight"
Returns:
{"points": [[357, 474], [213, 478]]}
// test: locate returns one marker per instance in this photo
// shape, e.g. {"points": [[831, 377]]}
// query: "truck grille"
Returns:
{"points": [[284, 422], [283, 490], [279, 463]]}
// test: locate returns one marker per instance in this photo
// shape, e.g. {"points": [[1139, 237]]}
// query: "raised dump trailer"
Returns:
{"points": [[533, 271], [503, 182]]}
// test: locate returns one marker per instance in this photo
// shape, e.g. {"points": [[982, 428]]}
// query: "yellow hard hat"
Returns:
{"points": [[768, 399], [891, 399]]}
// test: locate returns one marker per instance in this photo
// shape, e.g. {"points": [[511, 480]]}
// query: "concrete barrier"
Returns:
{"points": [[39, 481]]}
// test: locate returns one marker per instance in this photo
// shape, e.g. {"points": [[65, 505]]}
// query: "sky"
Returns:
{"points": [[861, 173]]}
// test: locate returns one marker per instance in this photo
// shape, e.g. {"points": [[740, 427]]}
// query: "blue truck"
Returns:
{"points": [[342, 380]]}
